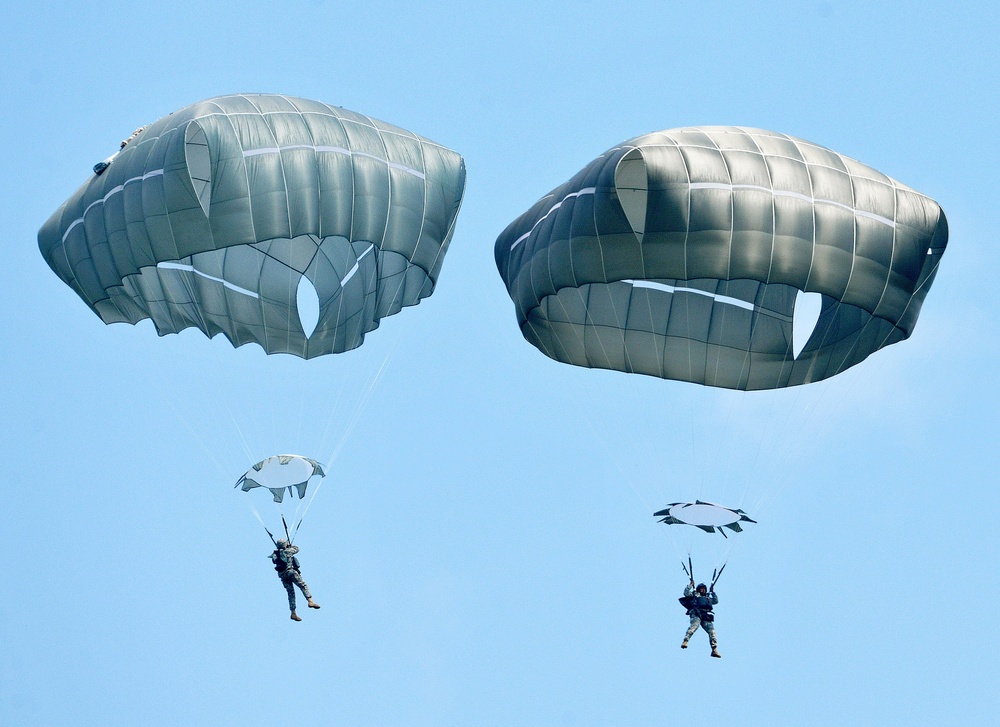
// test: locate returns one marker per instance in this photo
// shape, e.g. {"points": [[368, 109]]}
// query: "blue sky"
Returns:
{"points": [[483, 548]]}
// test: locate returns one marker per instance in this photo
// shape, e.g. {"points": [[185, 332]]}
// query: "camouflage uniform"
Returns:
{"points": [[696, 621], [287, 566]]}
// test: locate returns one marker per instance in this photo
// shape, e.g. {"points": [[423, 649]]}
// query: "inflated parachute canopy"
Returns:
{"points": [[280, 474], [246, 214], [690, 254], [705, 516]]}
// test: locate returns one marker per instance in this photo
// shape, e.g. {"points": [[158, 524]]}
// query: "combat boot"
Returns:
{"points": [[715, 653], [684, 644], [295, 616], [313, 604]]}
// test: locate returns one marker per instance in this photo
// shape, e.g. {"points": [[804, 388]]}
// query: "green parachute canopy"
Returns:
{"points": [[691, 254], [270, 219]]}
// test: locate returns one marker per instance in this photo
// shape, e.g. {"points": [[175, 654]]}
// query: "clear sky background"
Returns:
{"points": [[484, 549]]}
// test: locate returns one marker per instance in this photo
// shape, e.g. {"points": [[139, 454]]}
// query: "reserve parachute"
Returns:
{"points": [[689, 254], [286, 477], [706, 516], [281, 474], [685, 519], [271, 219]]}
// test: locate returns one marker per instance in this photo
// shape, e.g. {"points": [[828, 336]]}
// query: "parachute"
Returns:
{"points": [[270, 219], [737, 258], [705, 516], [283, 474], [690, 254], [280, 474]]}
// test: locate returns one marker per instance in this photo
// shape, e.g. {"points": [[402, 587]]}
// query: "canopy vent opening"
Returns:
{"points": [[307, 304], [633, 190], [808, 307], [199, 163]]}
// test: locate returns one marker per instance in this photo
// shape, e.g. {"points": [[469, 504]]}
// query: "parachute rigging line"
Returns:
{"points": [[261, 521], [717, 576]]}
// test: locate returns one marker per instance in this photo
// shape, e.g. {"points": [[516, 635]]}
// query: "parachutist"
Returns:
{"points": [[698, 600], [288, 569]]}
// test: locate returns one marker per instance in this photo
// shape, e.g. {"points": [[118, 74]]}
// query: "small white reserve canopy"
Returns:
{"points": [[706, 516], [282, 473]]}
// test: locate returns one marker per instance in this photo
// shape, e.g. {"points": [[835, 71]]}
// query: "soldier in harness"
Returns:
{"points": [[288, 569], [698, 600]]}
